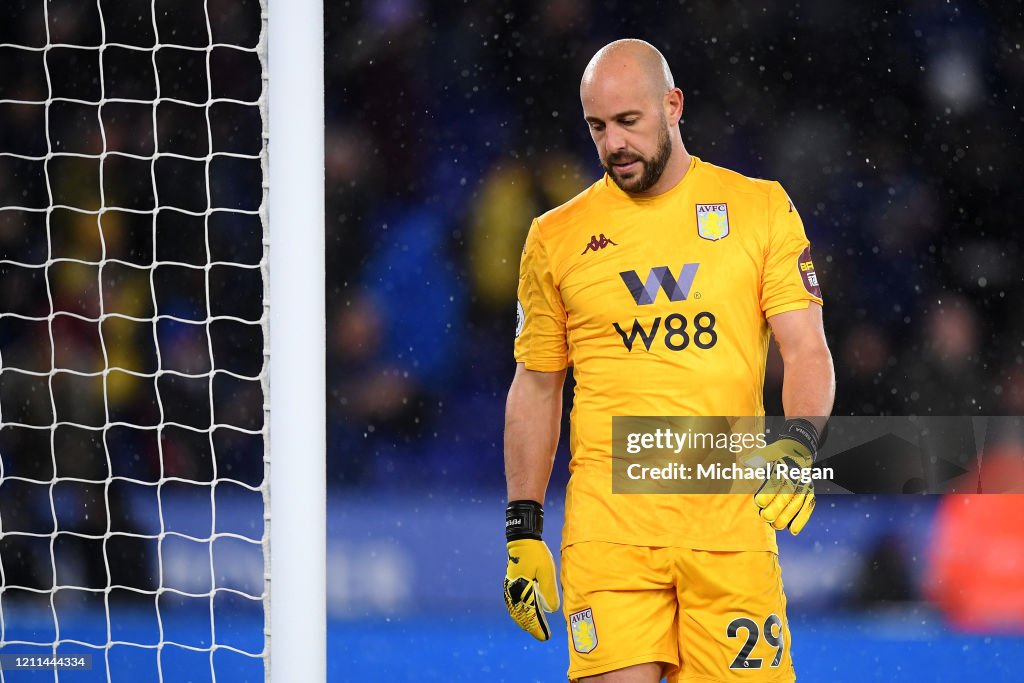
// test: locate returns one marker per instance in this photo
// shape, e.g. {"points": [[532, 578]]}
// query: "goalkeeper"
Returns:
{"points": [[668, 313]]}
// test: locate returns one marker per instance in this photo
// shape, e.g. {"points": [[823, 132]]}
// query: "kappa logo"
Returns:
{"points": [[661, 277], [584, 631], [598, 243], [713, 221]]}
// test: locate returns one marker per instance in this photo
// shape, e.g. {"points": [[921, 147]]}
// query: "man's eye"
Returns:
{"points": [[628, 122], [596, 127]]}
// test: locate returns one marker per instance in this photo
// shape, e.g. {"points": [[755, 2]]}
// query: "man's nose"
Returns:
{"points": [[614, 139]]}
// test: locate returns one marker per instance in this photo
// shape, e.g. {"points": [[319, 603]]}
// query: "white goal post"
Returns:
{"points": [[162, 339], [297, 378]]}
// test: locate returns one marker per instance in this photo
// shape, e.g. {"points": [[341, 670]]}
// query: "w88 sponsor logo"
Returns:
{"points": [[678, 334]]}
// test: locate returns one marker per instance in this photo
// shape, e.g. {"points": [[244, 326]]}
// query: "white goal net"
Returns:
{"points": [[133, 336]]}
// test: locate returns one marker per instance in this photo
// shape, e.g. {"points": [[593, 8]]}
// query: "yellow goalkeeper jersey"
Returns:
{"points": [[660, 306]]}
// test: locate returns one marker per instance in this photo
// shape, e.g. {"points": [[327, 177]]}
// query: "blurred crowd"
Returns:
{"points": [[130, 249], [449, 127]]}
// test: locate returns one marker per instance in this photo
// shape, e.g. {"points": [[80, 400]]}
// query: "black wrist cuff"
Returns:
{"points": [[801, 431], [523, 519]]}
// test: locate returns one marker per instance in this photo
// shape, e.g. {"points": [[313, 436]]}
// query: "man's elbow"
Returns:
{"points": [[810, 351]]}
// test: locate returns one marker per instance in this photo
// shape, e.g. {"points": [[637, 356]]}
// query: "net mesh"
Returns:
{"points": [[132, 327]]}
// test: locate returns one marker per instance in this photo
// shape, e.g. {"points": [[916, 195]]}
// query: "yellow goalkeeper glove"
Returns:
{"points": [[531, 588], [786, 500]]}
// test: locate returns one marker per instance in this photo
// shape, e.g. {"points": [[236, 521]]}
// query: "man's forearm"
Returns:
{"points": [[809, 385], [533, 414]]}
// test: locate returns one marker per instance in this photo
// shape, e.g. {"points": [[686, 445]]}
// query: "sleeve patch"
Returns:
{"points": [[520, 318], [807, 273]]}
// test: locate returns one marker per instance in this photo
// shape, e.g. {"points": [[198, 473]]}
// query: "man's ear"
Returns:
{"points": [[674, 106]]}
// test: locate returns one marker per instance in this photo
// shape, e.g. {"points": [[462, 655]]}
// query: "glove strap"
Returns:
{"points": [[523, 519], [803, 432]]}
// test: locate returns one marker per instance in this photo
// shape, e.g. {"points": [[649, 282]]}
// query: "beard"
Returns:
{"points": [[651, 168]]}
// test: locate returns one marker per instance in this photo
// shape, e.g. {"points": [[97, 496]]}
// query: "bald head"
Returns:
{"points": [[629, 61], [633, 109]]}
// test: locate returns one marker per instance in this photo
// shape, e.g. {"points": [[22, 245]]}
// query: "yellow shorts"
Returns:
{"points": [[708, 616]]}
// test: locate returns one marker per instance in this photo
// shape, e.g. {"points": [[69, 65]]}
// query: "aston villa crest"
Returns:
{"points": [[712, 221], [584, 631]]}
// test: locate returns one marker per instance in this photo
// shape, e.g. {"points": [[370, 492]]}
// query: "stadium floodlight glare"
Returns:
{"points": [[161, 336]]}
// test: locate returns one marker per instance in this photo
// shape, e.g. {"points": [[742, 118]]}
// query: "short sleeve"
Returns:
{"points": [[540, 316], [788, 281]]}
